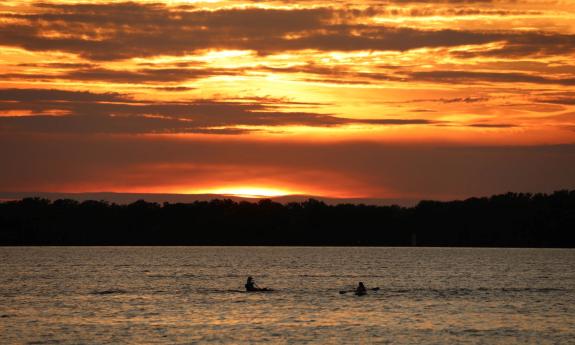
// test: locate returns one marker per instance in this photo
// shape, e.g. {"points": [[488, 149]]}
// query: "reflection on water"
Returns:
{"points": [[170, 295]]}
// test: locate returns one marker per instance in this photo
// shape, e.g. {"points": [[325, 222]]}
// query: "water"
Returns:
{"points": [[185, 295]]}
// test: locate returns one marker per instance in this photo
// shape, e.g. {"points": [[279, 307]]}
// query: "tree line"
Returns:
{"points": [[506, 220]]}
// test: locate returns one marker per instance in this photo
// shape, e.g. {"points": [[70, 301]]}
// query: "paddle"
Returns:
{"points": [[344, 291]]}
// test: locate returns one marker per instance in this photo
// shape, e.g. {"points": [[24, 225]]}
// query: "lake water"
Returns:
{"points": [[185, 295]]}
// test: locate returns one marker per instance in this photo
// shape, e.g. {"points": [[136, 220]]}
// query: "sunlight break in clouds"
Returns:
{"points": [[166, 82]]}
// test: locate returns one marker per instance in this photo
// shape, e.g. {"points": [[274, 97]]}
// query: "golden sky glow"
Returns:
{"points": [[339, 98], [247, 192]]}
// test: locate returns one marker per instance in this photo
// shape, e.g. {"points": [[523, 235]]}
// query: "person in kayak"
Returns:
{"points": [[361, 289], [251, 286]]}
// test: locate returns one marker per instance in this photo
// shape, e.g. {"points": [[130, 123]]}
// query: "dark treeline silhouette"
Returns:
{"points": [[508, 220]]}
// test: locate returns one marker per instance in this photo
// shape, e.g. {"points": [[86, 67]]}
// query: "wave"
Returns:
{"points": [[472, 291], [172, 275], [108, 292]]}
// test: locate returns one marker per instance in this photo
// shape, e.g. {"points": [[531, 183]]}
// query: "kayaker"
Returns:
{"points": [[251, 285], [360, 290]]}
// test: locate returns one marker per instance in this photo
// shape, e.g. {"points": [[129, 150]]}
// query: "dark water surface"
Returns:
{"points": [[184, 295]]}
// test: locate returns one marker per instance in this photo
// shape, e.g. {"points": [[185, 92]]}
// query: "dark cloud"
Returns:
{"points": [[426, 11], [469, 99], [175, 88], [463, 100], [502, 77], [396, 121], [145, 75], [38, 95], [120, 31], [59, 65], [558, 100], [139, 76], [423, 111], [337, 81], [346, 38], [181, 74], [86, 112], [492, 125], [526, 44], [441, 76]]}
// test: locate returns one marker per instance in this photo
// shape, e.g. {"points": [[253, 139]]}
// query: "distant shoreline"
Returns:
{"points": [[512, 220], [260, 246], [128, 198]]}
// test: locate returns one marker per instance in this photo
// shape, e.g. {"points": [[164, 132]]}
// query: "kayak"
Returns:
{"points": [[260, 290], [359, 293]]}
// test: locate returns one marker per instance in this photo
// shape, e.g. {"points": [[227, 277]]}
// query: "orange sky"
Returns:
{"points": [[397, 98]]}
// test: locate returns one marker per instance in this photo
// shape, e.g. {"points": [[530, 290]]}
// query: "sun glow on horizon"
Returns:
{"points": [[249, 191]]}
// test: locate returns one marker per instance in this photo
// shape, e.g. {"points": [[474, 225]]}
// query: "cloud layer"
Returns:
{"points": [[403, 98], [127, 30]]}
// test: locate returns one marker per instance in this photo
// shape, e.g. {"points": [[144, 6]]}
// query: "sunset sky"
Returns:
{"points": [[370, 99]]}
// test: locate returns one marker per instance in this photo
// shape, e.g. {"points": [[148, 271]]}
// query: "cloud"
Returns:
{"points": [[500, 77], [85, 112], [492, 125], [463, 100], [429, 11], [148, 75], [118, 31], [469, 99], [347, 75], [59, 65], [175, 88], [139, 76], [126, 30], [396, 121], [558, 100], [38, 95], [525, 45]]}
